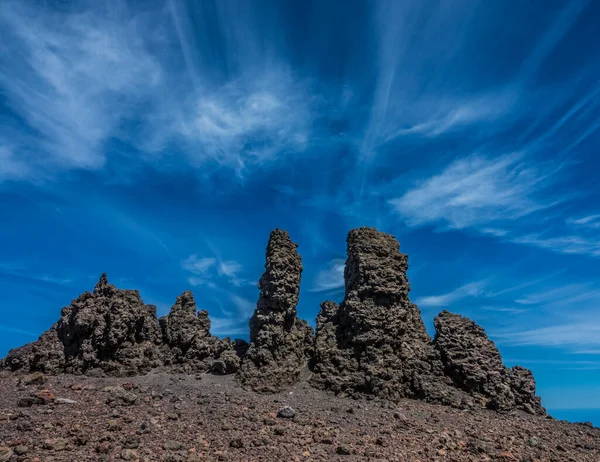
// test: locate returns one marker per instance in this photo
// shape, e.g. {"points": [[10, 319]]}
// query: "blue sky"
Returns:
{"points": [[162, 141]]}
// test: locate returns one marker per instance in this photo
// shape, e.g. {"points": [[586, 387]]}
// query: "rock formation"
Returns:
{"points": [[111, 330], [375, 342], [474, 364], [280, 343], [189, 344]]}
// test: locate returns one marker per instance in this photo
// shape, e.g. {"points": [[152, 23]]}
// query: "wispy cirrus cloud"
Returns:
{"points": [[74, 78], [10, 165], [589, 221], [473, 289], [565, 244], [80, 77], [477, 192], [331, 278], [210, 270], [563, 294], [247, 122], [568, 335]]}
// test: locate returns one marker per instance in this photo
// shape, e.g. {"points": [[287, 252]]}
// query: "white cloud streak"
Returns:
{"points": [[79, 78], [473, 289], [570, 244], [475, 192], [73, 78], [331, 278], [579, 334]]}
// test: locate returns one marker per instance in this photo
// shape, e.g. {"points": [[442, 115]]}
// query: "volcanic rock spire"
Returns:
{"points": [[280, 342], [474, 364], [375, 342]]}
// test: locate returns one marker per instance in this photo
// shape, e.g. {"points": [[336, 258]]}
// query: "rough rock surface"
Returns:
{"points": [[474, 364], [375, 342], [280, 342], [186, 334], [112, 331]]}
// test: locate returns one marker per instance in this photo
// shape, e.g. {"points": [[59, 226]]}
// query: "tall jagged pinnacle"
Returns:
{"points": [[279, 341]]}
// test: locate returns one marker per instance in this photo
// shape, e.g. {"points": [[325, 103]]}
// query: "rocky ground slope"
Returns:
{"points": [[192, 396], [207, 417]]}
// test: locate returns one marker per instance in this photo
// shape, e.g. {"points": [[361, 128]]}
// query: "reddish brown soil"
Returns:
{"points": [[210, 418]]}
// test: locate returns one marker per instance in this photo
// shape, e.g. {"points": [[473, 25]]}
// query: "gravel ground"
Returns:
{"points": [[169, 417]]}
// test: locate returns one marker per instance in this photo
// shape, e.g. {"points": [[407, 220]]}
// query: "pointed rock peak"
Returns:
{"points": [[102, 286], [185, 302]]}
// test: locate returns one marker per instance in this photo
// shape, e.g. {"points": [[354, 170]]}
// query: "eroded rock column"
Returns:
{"points": [[375, 342], [280, 342]]}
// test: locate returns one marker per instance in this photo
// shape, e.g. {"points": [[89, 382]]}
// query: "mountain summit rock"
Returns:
{"points": [[374, 343]]}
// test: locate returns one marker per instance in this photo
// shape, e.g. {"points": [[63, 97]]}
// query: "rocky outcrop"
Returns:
{"points": [[112, 331], [375, 342], [188, 344], [45, 355], [280, 342], [474, 364], [186, 335]]}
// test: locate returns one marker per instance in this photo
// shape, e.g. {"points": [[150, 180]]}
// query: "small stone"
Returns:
{"points": [[113, 425], [28, 401], [21, 450], [279, 431], [37, 378], [129, 454], [144, 428], [286, 412], [64, 401], [5, 453], [131, 442], [46, 396], [57, 444], [236, 443], [103, 448], [533, 442], [343, 450], [173, 446]]}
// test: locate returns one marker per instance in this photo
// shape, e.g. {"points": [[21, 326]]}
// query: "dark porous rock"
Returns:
{"points": [[474, 364], [109, 329], [187, 339], [280, 342], [375, 341]]}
